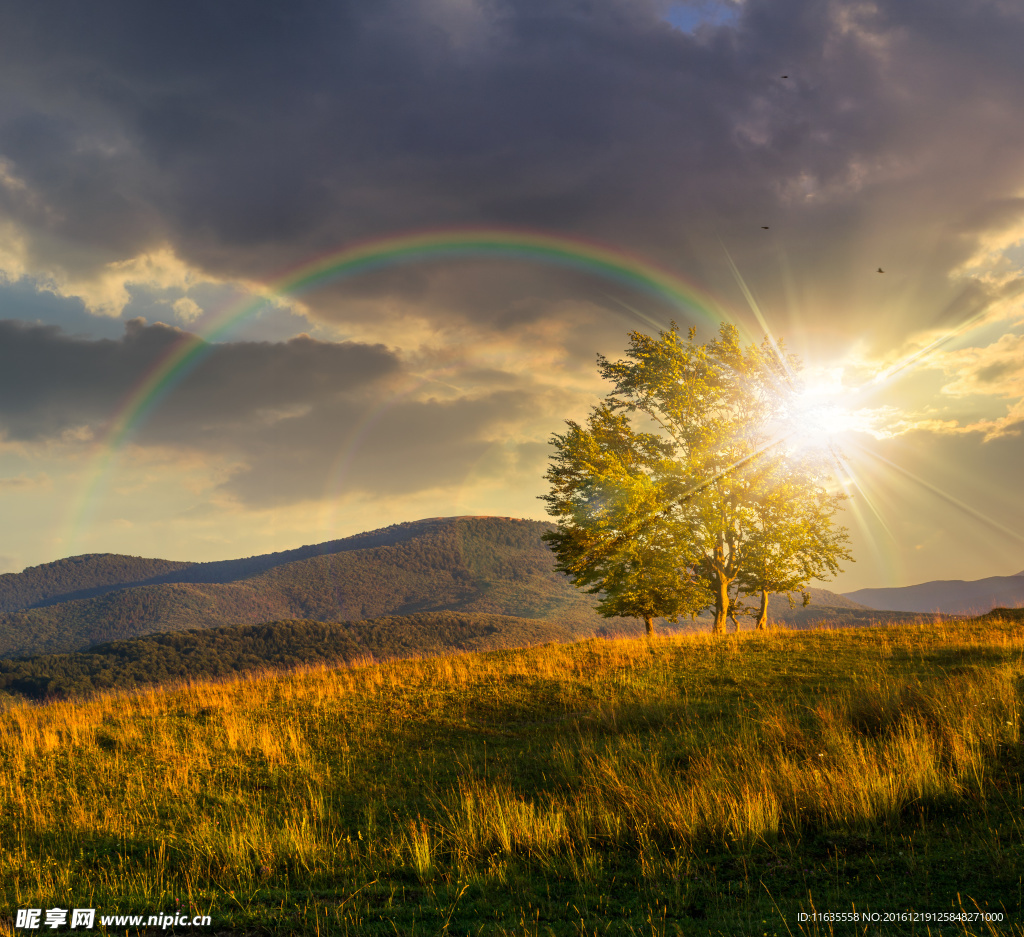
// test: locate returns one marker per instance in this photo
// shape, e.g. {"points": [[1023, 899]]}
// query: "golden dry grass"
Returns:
{"points": [[477, 768]]}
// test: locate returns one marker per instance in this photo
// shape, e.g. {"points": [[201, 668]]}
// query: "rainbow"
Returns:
{"points": [[590, 257]]}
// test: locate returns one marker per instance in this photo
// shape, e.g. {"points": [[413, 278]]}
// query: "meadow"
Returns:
{"points": [[679, 785]]}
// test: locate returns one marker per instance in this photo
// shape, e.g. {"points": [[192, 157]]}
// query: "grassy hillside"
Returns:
{"points": [[679, 786], [813, 616], [197, 653]]}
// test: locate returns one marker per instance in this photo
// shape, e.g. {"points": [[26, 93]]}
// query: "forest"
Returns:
{"points": [[200, 653]]}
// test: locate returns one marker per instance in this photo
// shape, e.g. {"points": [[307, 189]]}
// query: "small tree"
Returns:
{"points": [[672, 516], [615, 539], [794, 539]]}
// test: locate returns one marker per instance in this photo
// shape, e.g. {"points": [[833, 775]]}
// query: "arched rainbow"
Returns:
{"points": [[591, 257]]}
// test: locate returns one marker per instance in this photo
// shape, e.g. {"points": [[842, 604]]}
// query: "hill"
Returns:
{"points": [[488, 565], [217, 652], [198, 653], [712, 787], [76, 576], [950, 596], [485, 565]]}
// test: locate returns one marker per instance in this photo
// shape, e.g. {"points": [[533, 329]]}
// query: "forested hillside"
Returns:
{"points": [[94, 574], [215, 652], [490, 565], [67, 578]]}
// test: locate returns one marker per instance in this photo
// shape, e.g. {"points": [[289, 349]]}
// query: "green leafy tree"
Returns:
{"points": [[615, 539], [794, 539], [664, 499]]}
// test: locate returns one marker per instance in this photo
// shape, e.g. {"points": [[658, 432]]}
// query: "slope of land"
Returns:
{"points": [[951, 596], [491, 565], [687, 785], [217, 652], [487, 565], [76, 576], [813, 616]]}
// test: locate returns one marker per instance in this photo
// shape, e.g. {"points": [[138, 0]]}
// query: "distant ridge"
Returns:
{"points": [[489, 565], [89, 574], [94, 574], [471, 565], [949, 596]]}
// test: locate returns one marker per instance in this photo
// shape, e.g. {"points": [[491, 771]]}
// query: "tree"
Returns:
{"points": [[794, 539], [702, 499], [606, 477]]}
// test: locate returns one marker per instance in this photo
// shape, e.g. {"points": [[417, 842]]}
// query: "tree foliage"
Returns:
{"points": [[793, 538], [684, 490]]}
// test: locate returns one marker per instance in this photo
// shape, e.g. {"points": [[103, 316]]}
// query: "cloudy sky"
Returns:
{"points": [[162, 164]]}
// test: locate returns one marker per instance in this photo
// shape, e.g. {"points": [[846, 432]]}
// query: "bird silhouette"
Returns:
{"points": [[764, 227], [783, 76], [880, 270]]}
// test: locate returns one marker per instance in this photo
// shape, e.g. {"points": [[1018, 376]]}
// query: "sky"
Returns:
{"points": [[846, 175]]}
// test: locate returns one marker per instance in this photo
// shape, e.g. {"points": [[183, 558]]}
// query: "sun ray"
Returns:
{"points": [[865, 498], [919, 357], [947, 497], [755, 308], [660, 326]]}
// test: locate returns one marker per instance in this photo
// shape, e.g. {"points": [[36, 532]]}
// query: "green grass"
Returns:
{"points": [[681, 786]]}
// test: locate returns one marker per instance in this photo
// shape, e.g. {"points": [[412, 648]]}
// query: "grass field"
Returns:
{"points": [[684, 785]]}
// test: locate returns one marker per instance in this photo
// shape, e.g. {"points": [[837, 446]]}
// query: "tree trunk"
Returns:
{"points": [[721, 603], [650, 625], [762, 618], [721, 578]]}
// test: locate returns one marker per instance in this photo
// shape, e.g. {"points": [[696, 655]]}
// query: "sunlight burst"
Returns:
{"points": [[823, 410]]}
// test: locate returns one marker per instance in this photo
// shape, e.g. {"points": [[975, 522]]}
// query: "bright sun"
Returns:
{"points": [[821, 412]]}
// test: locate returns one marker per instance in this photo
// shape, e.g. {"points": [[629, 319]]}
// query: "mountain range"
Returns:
{"points": [[468, 565], [480, 565], [948, 596]]}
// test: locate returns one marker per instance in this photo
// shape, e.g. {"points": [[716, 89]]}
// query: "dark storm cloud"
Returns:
{"points": [[51, 382], [252, 135], [296, 416]]}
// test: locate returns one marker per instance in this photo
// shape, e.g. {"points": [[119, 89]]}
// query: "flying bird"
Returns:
{"points": [[764, 227], [880, 270], [783, 76]]}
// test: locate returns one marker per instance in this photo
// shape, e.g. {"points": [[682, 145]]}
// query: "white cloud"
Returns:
{"points": [[188, 310], [107, 292]]}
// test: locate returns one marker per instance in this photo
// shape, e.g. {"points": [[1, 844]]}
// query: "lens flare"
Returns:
{"points": [[824, 411], [836, 416]]}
